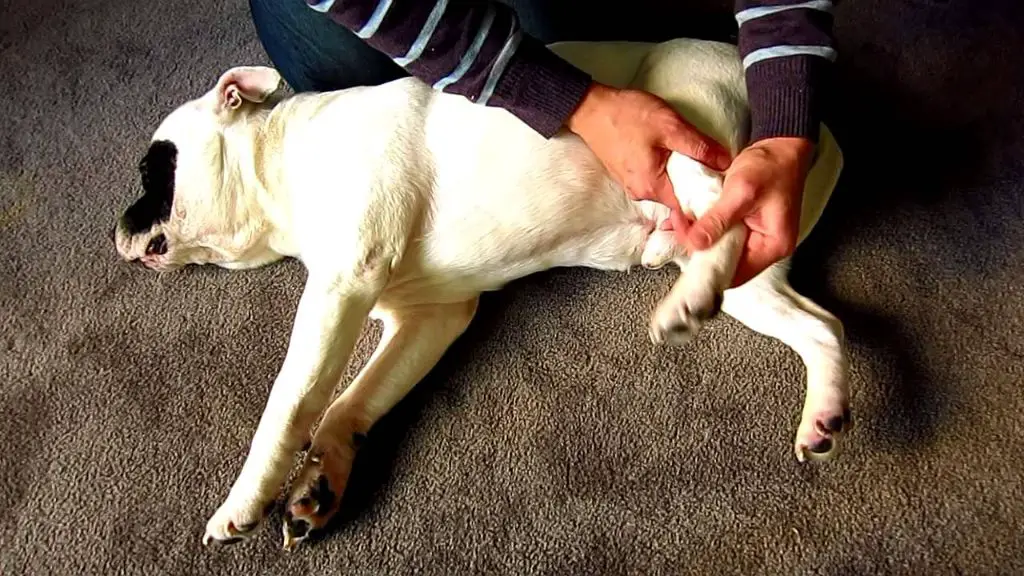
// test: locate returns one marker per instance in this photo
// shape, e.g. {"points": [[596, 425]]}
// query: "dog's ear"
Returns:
{"points": [[252, 83]]}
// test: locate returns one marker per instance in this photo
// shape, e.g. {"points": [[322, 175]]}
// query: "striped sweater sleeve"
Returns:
{"points": [[471, 48], [787, 48]]}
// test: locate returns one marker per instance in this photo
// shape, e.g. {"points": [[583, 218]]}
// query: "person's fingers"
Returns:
{"points": [[665, 194], [687, 140], [728, 210], [680, 225], [676, 221]]}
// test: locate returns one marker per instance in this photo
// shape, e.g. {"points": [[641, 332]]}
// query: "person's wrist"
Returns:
{"points": [[791, 149], [594, 101]]}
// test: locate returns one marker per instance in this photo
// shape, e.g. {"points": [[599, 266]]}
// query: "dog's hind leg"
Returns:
{"points": [[769, 305], [413, 341], [696, 295], [328, 321]]}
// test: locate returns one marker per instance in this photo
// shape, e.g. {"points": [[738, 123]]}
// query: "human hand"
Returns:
{"points": [[763, 189], [633, 133]]}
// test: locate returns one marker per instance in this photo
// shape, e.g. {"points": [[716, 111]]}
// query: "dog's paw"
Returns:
{"points": [[235, 521], [819, 436], [316, 492], [677, 322]]}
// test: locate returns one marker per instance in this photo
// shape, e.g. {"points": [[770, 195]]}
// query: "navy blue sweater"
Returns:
{"points": [[477, 49]]}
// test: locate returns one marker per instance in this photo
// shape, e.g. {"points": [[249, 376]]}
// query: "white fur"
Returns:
{"points": [[405, 204]]}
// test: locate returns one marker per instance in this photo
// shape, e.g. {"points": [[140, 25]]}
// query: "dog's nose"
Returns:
{"points": [[158, 245]]}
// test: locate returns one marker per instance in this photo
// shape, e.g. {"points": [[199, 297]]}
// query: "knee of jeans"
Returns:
{"points": [[276, 29], [312, 52]]}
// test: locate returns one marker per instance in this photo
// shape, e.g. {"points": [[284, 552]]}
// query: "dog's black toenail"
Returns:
{"points": [[230, 541], [243, 528], [297, 528], [822, 447], [679, 328], [323, 494], [358, 439], [834, 424]]}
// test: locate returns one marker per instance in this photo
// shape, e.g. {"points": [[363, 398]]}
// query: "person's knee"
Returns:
{"points": [[312, 52]]}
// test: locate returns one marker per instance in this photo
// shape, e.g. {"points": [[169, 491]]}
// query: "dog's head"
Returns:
{"points": [[193, 209]]}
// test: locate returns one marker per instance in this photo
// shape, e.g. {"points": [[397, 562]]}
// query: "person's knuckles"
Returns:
{"points": [[706, 231], [714, 224], [701, 149]]}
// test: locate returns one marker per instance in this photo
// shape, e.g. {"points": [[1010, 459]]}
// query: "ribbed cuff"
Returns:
{"points": [[541, 88], [784, 96]]}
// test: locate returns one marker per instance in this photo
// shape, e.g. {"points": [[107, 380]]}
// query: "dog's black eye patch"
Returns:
{"points": [[157, 171]]}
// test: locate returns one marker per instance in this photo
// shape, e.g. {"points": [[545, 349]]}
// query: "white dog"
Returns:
{"points": [[405, 204]]}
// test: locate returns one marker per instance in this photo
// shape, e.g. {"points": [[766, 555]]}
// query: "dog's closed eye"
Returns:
{"points": [[158, 245]]}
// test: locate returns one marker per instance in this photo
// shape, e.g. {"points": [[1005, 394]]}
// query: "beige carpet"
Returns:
{"points": [[553, 439]]}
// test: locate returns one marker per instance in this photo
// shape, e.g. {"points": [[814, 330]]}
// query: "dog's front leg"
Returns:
{"points": [[329, 319], [414, 339]]}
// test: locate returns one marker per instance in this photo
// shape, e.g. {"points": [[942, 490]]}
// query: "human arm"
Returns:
{"points": [[787, 49], [478, 50], [474, 49]]}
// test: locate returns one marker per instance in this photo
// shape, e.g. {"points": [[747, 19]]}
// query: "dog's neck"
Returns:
{"points": [[251, 171]]}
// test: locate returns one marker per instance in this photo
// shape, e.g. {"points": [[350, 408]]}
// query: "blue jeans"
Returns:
{"points": [[313, 53]]}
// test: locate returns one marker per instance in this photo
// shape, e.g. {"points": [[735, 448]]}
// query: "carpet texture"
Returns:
{"points": [[553, 438]]}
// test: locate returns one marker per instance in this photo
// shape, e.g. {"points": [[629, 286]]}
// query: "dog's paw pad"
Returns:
{"points": [[674, 329], [681, 315], [820, 438], [295, 530], [315, 497], [833, 424], [705, 308], [822, 446]]}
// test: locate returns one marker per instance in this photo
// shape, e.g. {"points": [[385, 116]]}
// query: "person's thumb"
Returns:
{"points": [[677, 222], [726, 212]]}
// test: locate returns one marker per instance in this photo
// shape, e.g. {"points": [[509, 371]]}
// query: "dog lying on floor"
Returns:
{"points": [[405, 204]]}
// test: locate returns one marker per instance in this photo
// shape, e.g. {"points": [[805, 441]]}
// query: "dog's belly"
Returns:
{"points": [[446, 266], [506, 203], [420, 283]]}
